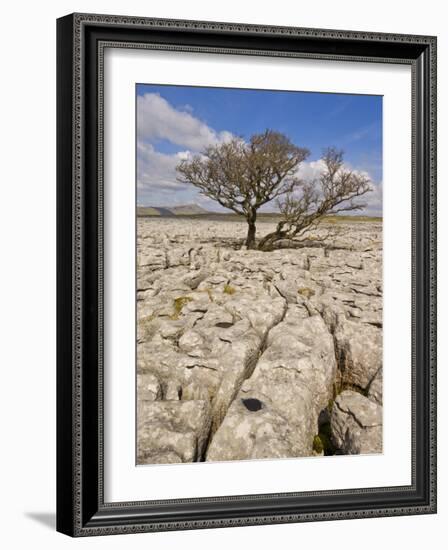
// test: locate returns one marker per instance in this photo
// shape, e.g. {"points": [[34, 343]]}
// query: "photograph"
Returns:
{"points": [[246, 273], [259, 274]]}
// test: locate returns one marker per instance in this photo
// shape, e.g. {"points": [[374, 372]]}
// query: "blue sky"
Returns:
{"points": [[177, 121]]}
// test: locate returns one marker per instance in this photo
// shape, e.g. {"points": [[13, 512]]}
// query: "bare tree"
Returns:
{"points": [[335, 191], [244, 176]]}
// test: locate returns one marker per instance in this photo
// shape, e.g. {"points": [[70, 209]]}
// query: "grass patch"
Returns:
{"points": [[273, 217], [229, 289], [306, 292], [318, 446], [322, 441], [354, 219], [179, 304], [325, 437]]}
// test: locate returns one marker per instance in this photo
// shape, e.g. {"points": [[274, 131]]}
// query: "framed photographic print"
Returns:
{"points": [[246, 274]]}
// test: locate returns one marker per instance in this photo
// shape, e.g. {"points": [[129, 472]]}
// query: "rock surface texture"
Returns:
{"points": [[243, 354], [356, 424]]}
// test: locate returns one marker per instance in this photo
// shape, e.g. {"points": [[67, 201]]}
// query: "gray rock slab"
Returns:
{"points": [[172, 431], [356, 424]]}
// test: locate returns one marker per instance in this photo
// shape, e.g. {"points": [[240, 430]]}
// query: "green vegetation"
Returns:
{"points": [[318, 446], [229, 289], [354, 219], [179, 304], [322, 441], [325, 437], [306, 292]]}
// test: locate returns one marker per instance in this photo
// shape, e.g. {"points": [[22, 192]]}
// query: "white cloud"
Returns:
{"points": [[157, 170], [374, 200], [309, 171], [157, 119]]}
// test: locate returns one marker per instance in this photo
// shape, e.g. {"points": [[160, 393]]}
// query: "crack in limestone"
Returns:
{"points": [[372, 379], [294, 369], [340, 361], [355, 418], [263, 345], [250, 368], [364, 293], [200, 366]]}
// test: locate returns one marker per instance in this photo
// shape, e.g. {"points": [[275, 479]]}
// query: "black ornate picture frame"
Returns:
{"points": [[81, 508]]}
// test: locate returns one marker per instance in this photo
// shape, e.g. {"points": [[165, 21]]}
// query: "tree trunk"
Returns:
{"points": [[267, 242], [251, 230]]}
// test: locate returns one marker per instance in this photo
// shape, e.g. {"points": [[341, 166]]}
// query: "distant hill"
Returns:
{"points": [[182, 210], [188, 210], [194, 211]]}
